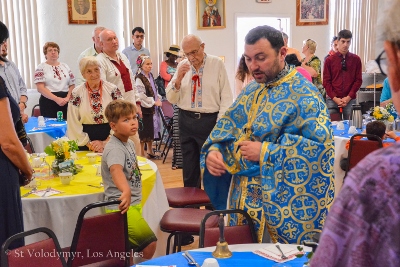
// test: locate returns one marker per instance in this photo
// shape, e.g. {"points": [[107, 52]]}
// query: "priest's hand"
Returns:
{"points": [[215, 163], [250, 150]]}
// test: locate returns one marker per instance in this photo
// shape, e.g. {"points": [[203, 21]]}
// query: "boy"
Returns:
{"points": [[122, 177]]}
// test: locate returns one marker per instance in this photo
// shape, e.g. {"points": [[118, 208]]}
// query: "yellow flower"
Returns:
{"points": [[376, 109], [391, 118], [378, 116]]}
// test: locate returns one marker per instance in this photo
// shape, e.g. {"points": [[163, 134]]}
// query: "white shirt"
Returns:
{"points": [[91, 51], [56, 78], [80, 111], [216, 91], [110, 73]]}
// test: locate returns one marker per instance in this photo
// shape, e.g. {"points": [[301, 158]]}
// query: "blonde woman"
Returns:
{"points": [[313, 64]]}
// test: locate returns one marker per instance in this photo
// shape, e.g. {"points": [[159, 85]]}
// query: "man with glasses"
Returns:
{"points": [[133, 51], [201, 89], [362, 227], [94, 50], [342, 77], [14, 82]]}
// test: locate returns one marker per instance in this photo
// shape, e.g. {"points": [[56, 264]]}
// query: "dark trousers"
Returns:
{"points": [[194, 129]]}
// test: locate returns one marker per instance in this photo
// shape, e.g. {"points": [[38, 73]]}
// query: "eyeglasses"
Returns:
{"points": [[344, 67], [191, 54], [139, 36], [381, 60]]}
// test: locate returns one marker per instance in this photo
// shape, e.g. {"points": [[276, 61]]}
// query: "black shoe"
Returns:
{"points": [[151, 156], [187, 239]]}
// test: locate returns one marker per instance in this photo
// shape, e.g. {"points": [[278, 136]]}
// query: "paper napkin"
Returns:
{"points": [[271, 252], [50, 193], [340, 125], [352, 130]]}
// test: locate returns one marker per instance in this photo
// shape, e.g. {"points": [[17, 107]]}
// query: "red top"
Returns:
{"points": [[341, 83]]}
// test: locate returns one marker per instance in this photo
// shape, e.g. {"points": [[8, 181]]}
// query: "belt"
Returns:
{"points": [[197, 115]]}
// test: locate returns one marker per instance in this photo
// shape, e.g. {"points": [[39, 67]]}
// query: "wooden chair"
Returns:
{"points": [[104, 235], [359, 148], [49, 251], [238, 234]]}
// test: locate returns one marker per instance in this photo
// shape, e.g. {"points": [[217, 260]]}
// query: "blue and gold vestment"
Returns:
{"points": [[291, 188]]}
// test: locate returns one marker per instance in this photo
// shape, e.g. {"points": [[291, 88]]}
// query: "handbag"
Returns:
{"points": [[21, 133], [160, 83]]}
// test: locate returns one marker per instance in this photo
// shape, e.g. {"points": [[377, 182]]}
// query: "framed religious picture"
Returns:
{"points": [[312, 12], [210, 14], [82, 12]]}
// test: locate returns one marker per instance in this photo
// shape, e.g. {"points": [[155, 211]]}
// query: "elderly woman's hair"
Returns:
{"points": [[50, 44], [389, 23], [4, 34], [88, 61], [312, 45], [274, 36], [119, 108]]}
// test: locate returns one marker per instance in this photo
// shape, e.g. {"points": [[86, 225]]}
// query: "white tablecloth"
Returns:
{"points": [[340, 152], [61, 213]]}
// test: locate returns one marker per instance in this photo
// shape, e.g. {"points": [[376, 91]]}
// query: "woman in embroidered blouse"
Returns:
{"points": [[86, 120], [313, 64], [54, 81], [148, 98]]}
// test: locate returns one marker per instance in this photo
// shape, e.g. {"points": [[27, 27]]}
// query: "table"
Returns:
{"points": [[43, 136], [60, 212], [242, 256], [341, 137]]}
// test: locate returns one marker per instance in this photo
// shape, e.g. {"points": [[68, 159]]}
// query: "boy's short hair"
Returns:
{"points": [[119, 108], [377, 128], [345, 34]]}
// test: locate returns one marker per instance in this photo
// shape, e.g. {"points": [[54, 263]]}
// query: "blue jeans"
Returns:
{"points": [[333, 108]]}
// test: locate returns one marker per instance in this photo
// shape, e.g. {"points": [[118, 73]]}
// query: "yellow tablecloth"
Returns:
{"points": [[82, 181]]}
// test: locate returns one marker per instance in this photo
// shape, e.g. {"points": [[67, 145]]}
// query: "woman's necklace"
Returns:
{"points": [[132, 156]]}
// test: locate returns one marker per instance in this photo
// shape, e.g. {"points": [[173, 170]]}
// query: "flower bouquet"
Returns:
{"points": [[382, 113], [62, 148]]}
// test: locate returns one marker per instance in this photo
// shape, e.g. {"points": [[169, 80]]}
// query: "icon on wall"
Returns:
{"points": [[210, 14]]}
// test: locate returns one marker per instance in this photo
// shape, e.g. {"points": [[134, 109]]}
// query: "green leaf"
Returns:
{"points": [[49, 151], [309, 255], [300, 248], [299, 255]]}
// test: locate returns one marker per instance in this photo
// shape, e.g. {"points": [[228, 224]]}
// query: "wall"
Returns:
{"points": [[222, 42], [74, 38]]}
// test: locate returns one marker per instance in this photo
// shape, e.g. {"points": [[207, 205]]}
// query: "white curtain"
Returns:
{"points": [[20, 16], [360, 17], [164, 23]]}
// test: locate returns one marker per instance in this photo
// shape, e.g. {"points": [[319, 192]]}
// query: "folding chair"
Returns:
{"points": [[35, 111], [47, 251], [238, 234], [167, 131], [104, 236], [359, 148]]}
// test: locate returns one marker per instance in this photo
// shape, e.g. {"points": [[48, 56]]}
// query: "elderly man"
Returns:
{"points": [[342, 77], [115, 69], [82, 7], [276, 141], [362, 228], [14, 82], [200, 88], [90, 51], [136, 49]]}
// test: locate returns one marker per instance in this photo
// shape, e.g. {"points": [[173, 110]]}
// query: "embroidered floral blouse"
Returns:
{"points": [[87, 107], [56, 78]]}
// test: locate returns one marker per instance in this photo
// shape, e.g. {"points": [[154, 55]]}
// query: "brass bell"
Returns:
{"points": [[222, 250]]}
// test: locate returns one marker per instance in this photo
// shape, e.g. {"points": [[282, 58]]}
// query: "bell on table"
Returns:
{"points": [[356, 116]]}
